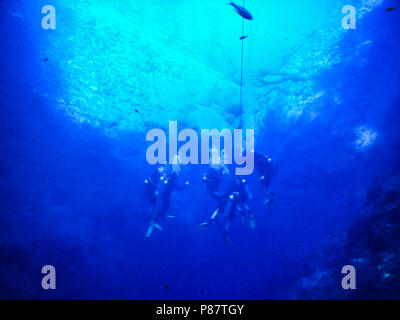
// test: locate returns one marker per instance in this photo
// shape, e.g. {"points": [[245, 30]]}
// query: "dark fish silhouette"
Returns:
{"points": [[136, 110], [166, 286], [391, 9], [45, 59], [242, 11], [244, 37], [113, 124]]}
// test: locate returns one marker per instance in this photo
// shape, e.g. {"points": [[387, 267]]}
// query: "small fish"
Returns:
{"points": [[242, 38], [45, 59], [113, 124], [242, 11], [166, 286], [391, 9], [136, 110]]}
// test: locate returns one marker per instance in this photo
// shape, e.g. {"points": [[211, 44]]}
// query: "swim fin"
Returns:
{"points": [[151, 228], [204, 224], [158, 226], [227, 239], [214, 214], [266, 202]]}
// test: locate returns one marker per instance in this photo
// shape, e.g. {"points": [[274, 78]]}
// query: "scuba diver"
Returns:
{"points": [[151, 187], [237, 200], [221, 199], [213, 179], [171, 184], [234, 199], [266, 169], [244, 195], [168, 183]]}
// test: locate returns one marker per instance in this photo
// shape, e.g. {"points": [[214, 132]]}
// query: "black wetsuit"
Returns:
{"points": [[151, 186], [239, 195], [213, 180], [264, 167], [171, 185]]}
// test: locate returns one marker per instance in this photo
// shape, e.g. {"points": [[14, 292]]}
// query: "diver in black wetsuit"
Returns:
{"points": [[266, 169], [213, 179], [169, 184], [244, 196], [151, 193], [234, 199], [151, 187], [237, 200]]}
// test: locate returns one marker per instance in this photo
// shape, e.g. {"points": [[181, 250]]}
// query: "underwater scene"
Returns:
{"points": [[200, 149]]}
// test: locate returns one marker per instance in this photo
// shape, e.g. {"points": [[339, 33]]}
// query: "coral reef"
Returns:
{"points": [[372, 246]]}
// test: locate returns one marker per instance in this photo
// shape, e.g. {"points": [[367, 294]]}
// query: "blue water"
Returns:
{"points": [[324, 102]]}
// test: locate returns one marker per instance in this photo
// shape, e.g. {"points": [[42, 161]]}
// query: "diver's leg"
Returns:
{"points": [[252, 221], [153, 225], [266, 202], [242, 211], [230, 213], [251, 216], [155, 215], [268, 197], [227, 225], [164, 207], [227, 238], [160, 214]]}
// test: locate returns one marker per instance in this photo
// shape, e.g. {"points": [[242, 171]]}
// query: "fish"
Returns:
{"points": [[391, 9], [113, 124], [242, 11], [242, 38], [45, 59], [136, 110], [166, 286]]}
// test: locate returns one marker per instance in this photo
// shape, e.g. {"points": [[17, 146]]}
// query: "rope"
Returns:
{"points": [[241, 75]]}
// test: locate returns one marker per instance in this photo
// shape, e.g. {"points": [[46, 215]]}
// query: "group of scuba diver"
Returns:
{"points": [[230, 201], [164, 180]]}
